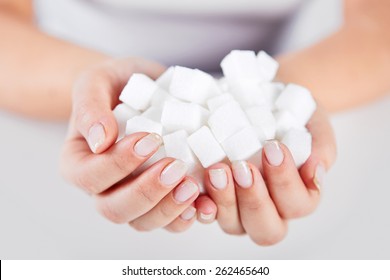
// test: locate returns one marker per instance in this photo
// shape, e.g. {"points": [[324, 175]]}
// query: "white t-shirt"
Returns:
{"points": [[191, 33]]}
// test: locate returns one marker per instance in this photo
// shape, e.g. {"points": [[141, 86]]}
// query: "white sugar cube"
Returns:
{"points": [[165, 79], [261, 117], [299, 144], [142, 124], [192, 85], [227, 120], [122, 114], [247, 92], [178, 115], [176, 146], [206, 147], [241, 65], [158, 155], [284, 122], [218, 101], [138, 92], [153, 113], [223, 85], [269, 93], [268, 66], [298, 101], [160, 96], [242, 145]]}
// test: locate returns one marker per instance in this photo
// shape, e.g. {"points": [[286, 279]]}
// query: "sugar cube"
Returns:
{"points": [[261, 117], [241, 65], [227, 120], [218, 101], [142, 124], [153, 113], [246, 92], [192, 85], [165, 79], [176, 146], [268, 66], [138, 92], [206, 147], [122, 114], [298, 101], [299, 144], [284, 122], [242, 145], [178, 115], [160, 96]]}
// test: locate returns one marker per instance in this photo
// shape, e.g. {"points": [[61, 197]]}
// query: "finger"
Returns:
{"points": [[184, 221], [285, 185], [169, 208], [134, 197], [96, 173], [323, 152], [220, 187], [259, 216], [206, 209], [96, 94]]}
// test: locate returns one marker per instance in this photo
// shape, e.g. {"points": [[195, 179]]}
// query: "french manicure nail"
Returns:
{"points": [[96, 136], [148, 144], [188, 214], [273, 152], [242, 174], [185, 191], [206, 217], [319, 176], [218, 178], [173, 172]]}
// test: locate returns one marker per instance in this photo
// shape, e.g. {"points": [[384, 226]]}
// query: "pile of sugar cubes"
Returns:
{"points": [[204, 120]]}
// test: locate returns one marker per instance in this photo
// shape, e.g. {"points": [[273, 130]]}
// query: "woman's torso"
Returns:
{"points": [[191, 33]]}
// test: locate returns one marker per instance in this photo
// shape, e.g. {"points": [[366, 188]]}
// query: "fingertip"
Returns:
{"points": [[206, 209]]}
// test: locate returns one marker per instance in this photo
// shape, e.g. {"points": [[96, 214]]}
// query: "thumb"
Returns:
{"points": [[96, 94], [323, 152]]}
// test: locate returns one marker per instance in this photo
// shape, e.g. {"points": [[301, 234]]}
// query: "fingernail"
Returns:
{"points": [[96, 136], [188, 214], [173, 172], [148, 144], [218, 178], [206, 217], [185, 191], [242, 174], [319, 176], [273, 152]]}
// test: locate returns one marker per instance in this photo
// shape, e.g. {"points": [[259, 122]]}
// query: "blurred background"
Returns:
{"points": [[43, 217]]}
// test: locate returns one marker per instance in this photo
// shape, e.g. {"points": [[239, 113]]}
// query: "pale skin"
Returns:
{"points": [[351, 68]]}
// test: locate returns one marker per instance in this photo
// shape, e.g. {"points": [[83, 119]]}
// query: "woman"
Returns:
{"points": [[347, 69]]}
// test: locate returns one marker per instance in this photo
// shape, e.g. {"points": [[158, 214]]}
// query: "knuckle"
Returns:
{"points": [[109, 212], [297, 211], [165, 211], [144, 194], [251, 204], [121, 163], [87, 184]]}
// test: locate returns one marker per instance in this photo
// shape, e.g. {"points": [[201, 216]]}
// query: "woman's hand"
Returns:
{"points": [[162, 196], [261, 203]]}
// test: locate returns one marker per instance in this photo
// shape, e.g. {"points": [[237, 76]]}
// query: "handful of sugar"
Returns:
{"points": [[204, 120]]}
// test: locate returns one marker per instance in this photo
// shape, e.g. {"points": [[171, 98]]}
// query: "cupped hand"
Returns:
{"points": [[161, 196], [259, 203]]}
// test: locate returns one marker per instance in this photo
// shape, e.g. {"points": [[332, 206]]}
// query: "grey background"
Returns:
{"points": [[41, 216]]}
